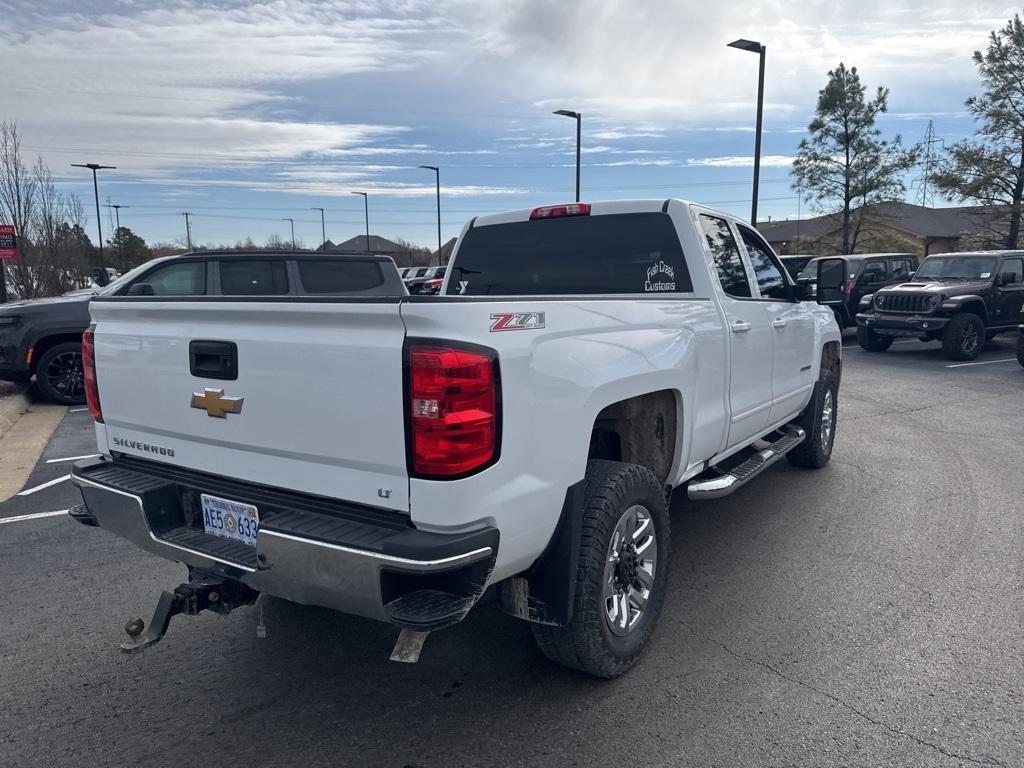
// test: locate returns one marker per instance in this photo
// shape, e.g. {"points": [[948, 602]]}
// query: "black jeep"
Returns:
{"points": [[961, 298]]}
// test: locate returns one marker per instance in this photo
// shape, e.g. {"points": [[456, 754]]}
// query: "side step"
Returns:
{"points": [[723, 485]]}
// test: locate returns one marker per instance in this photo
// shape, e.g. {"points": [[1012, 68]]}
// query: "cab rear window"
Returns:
{"points": [[624, 253]]}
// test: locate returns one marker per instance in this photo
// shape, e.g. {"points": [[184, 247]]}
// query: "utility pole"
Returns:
{"points": [[99, 225], [120, 241], [292, 221], [437, 177], [188, 228], [366, 213], [579, 121], [323, 227]]}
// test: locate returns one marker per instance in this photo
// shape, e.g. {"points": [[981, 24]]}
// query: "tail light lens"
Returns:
{"points": [[92, 395], [453, 409]]}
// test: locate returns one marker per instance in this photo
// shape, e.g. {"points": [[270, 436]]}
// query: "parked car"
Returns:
{"points": [[429, 282], [43, 337], [795, 263], [866, 273], [524, 432], [961, 299], [1020, 345]]}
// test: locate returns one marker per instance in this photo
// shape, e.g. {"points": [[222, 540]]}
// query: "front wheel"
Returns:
{"points": [[963, 337], [621, 572], [819, 423], [60, 375], [871, 341]]}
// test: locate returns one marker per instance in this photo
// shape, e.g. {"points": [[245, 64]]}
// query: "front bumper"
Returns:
{"points": [[355, 559], [901, 325]]}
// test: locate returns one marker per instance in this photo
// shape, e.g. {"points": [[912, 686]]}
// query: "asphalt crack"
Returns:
{"points": [[860, 713]]}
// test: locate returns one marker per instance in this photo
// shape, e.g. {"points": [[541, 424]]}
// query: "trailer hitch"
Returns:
{"points": [[206, 593]]}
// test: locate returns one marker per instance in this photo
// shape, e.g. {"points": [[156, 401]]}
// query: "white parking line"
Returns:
{"points": [[72, 458], [77, 410], [48, 484], [984, 362], [33, 516]]}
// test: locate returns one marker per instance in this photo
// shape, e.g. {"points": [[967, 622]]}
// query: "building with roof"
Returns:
{"points": [[893, 226]]}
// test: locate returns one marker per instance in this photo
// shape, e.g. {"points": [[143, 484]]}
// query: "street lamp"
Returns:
{"points": [[366, 213], [292, 222], [579, 119], [437, 174], [323, 227], [120, 242], [96, 191], [754, 47]]}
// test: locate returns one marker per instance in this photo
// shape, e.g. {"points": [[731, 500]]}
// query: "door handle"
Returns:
{"points": [[740, 326], [779, 322]]}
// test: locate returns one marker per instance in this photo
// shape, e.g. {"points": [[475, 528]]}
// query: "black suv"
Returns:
{"points": [[961, 298], [43, 337], [865, 274]]}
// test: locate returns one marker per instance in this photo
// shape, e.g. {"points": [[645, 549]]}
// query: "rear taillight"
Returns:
{"points": [[435, 284], [560, 211], [92, 395], [452, 397]]}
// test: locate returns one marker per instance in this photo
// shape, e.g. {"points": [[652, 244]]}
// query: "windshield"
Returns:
{"points": [[127, 277], [956, 268]]}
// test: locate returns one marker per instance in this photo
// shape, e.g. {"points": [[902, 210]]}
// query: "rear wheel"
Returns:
{"points": [[871, 341], [819, 422], [963, 337], [621, 572], [59, 374]]}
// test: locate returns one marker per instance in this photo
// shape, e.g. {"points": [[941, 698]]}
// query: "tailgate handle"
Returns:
{"points": [[213, 359]]}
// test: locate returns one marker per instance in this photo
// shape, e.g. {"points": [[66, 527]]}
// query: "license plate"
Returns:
{"points": [[230, 519]]}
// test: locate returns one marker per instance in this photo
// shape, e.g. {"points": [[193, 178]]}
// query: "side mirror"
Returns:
{"points": [[831, 277], [100, 277], [910, 276], [141, 289]]}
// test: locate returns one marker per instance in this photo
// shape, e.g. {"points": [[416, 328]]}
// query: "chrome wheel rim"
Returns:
{"points": [[66, 375], [969, 338], [629, 570], [827, 416]]}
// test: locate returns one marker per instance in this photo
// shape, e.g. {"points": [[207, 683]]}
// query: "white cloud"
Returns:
{"points": [[742, 161]]}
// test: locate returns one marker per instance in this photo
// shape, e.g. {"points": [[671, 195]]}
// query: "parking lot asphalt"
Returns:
{"points": [[867, 614]]}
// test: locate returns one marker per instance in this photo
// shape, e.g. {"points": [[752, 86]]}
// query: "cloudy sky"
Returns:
{"points": [[248, 112]]}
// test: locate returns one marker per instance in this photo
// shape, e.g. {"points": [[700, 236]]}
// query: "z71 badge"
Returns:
{"points": [[516, 321]]}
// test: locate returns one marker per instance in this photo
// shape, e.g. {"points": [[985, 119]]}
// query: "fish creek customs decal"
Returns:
{"points": [[655, 283], [516, 321]]}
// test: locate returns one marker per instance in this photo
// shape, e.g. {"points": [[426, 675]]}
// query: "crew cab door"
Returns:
{"points": [[749, 334], [1010, 292], [792, 325]]}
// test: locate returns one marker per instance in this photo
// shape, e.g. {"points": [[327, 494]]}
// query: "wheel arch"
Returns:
{"points": [[47, 341], [645, 429]]}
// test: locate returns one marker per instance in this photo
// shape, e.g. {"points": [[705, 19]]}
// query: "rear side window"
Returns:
{"points": [[577, 255], [731, 272], [253, 278], [186, 278], [339, 276]]}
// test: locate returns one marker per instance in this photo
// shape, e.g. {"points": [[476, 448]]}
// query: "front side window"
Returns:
{"points": [[874, 272], [253, 278], [728, 263], [1012, 272], [901, 269], [766, 271], [184, 278]]}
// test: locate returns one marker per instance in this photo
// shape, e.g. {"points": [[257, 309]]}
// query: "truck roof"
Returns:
{"points": [[599, 208]]}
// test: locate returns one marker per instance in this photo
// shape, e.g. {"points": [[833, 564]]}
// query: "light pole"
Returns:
{"points": [[323, 227], [755, 47], [579, 120], [188, 229], [120, 243], [96, 191], [366, 213], [437, 174], [292, 222]]}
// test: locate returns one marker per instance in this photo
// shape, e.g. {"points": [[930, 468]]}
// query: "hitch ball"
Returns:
{"points": [[134, 628]]}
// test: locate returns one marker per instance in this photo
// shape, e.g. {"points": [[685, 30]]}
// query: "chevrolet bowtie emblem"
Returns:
{"points": [[215, 404]]}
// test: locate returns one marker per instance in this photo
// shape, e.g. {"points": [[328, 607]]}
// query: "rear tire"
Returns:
{"points": [[819, 422], [871, 341], [60, 375], [624, 551], [963, 337]]}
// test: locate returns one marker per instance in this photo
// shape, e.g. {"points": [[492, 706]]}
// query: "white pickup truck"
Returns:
{"points": [[392, 456]]}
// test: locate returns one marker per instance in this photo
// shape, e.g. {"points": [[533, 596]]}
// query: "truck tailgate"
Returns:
{"points": [[321, 388]]}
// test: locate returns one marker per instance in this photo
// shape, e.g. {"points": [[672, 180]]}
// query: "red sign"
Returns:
{"points": [[8, 242]]}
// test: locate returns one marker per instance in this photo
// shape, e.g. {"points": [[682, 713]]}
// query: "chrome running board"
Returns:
{"points": [[723, 485]]}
